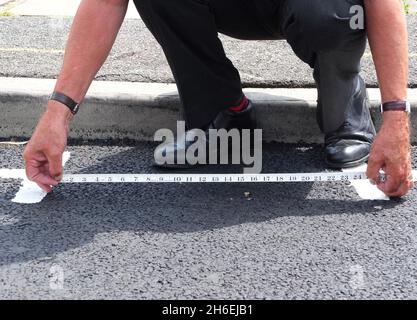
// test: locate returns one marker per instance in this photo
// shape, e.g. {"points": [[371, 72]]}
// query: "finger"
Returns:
{"points": [[392, 183], [31, 172], [372, 171], [401, 191], [45, 187], [55, 166], [37, 170], [396, 175], [33, 167], [44, 180], [397, 184]]}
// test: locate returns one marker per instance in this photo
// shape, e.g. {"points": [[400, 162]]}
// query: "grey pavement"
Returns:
{"points": [[37, 52], [166, 241]]}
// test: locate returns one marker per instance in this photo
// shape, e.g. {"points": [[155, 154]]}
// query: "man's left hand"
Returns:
{"points": [[391, 152]]}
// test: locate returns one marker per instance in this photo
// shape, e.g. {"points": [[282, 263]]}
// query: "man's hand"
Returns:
{"points": [[391, 153], [43, 154]]}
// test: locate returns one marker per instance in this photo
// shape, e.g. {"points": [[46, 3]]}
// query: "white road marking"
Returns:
{"points": [[364, 188], [12, 173], [29, 191]]}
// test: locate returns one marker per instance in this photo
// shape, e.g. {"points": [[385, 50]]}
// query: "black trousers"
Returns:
{"points": [[318, 31]]}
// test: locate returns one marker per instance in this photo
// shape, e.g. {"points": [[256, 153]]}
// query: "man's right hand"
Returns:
{"points": [[391, 152], [43, 154]]}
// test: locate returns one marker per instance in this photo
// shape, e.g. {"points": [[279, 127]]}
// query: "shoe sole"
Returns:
{"points": [[347, 165]]}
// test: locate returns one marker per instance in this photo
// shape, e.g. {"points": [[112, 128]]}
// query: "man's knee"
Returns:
{"points": [[328, 24]]}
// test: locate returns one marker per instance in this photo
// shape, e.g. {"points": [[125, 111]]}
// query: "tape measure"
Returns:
{"points": [[218, 178], [202, 178]]}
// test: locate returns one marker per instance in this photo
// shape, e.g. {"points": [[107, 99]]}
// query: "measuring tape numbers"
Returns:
{"points": [[214, 178]]}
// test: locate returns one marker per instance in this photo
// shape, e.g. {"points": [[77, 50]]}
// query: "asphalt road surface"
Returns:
{"points": [[204, 241], [38, 50]]}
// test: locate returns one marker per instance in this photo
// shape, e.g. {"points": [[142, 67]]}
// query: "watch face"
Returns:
{"points": [[408, 107], [75, 110]]}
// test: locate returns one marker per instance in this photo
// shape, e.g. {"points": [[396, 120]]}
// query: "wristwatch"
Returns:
{"points": [[396, 106], [64, 99]]}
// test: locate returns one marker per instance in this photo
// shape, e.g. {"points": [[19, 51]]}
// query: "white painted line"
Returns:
{"points": [[364, 188], [29, 191], [12, 173]]}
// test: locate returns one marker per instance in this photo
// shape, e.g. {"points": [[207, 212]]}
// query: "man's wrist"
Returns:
{"points": [[59, 110], [396, 122], [396, 116]]}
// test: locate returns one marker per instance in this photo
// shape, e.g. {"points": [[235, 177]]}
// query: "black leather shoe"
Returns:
{"points": [[226, 119], [350, 145]]}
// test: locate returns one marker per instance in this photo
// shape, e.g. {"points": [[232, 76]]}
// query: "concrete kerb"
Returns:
{"points": [[118, 110]]}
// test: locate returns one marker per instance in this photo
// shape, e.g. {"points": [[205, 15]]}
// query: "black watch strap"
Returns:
{"points": [[396, 106], [64, 99]]}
